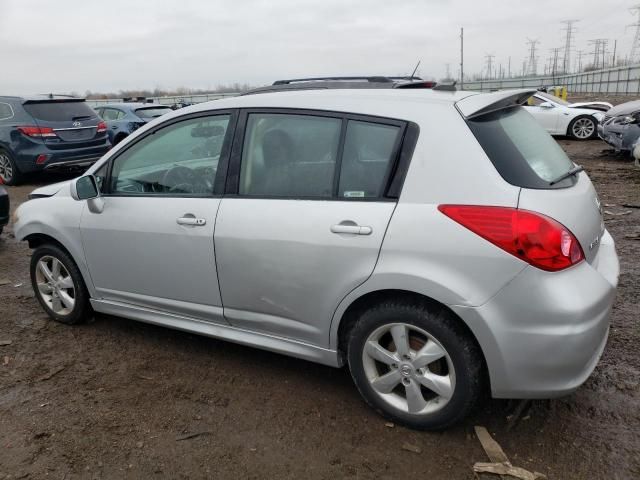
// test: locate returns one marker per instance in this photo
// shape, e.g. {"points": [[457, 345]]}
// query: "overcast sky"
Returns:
{"points": [[78, 45]]}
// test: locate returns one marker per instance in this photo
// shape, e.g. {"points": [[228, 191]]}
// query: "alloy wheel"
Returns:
{"points": [[408, 368], [6, 169], [583, 128], [55, 285]]}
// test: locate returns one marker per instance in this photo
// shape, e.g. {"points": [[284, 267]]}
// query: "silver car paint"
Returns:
{"points": [[566, 316]]}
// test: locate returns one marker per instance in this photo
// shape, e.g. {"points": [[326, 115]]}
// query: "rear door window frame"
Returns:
{"points": [[394, 176]]}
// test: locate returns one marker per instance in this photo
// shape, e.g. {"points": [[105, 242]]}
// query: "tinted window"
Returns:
{"points": [[111, 114], [289, 155], [59, 111], [181, 158], [5, 111], [368, 153], [520, 149], [152, 112]]}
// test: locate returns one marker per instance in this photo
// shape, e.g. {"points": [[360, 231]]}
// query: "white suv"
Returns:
{"points": [[436, 242]]}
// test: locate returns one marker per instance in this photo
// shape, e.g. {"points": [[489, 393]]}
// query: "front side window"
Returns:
{"points": [[180, 159], [287, 155], [152, 112], [369, 151]]}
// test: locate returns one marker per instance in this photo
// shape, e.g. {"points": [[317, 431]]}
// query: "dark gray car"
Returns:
{"points": [[620, 127]]}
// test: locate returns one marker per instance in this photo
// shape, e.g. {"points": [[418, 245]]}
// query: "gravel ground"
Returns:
{"points": [[118, 399]]}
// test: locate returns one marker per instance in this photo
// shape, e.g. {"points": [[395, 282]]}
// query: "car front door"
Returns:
{"points": [[151, 243], [304, 217], [546, 113]]}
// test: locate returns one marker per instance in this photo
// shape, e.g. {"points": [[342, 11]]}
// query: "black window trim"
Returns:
{"points": [[223, 162], [396, 170]]}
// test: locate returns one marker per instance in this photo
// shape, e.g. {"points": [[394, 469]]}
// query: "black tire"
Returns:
{"points": [[593, 121], [119, 138], [440, 324], [82, 308], [16, 176]]}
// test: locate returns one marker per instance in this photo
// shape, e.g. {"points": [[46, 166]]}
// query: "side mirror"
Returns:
{"points": [[85, 188], [547, 105]]}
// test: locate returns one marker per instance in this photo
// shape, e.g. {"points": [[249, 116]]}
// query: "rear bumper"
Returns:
{"points": [[543, 333], [60, 159]]}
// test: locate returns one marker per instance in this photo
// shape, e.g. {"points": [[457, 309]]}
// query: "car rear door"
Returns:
{"points": [[307, 206], [151, 243]]}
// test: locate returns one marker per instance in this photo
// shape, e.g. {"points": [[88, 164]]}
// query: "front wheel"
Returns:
{"points": [[415, 365], [583, 127], [58, 285]]}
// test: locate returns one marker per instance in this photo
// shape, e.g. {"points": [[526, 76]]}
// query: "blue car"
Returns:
{"points": [[46, 132], [124, 118]]}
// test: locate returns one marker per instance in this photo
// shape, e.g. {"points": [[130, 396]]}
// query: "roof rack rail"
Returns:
{"points": [[446, 87], [373, 79]]}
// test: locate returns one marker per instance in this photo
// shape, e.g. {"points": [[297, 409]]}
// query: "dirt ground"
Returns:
{"points": [[118, 399]]}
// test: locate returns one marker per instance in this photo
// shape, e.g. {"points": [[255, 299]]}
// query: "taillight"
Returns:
{"points": [[37, 132], [102, 127], [530, 236]]}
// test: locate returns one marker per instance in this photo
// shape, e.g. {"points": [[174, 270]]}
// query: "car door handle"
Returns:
{"points": [[352, 229], [191, 221]]}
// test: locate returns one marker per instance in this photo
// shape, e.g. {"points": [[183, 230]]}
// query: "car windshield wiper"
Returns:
{"points": [[571, 172], [80, 117]]}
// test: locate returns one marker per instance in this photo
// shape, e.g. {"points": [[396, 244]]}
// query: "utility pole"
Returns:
{"points": [[533, 59], [569, 31], [635, 47], [509, 68], [489, 59], [615, 47], [461, 58]]}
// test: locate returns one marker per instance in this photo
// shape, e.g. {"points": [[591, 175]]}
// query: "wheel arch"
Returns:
{"points": [[348, 315]]}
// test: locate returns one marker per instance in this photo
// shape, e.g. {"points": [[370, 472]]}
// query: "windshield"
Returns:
{"points": [[152, 112], [554, 99], [520, 149]]}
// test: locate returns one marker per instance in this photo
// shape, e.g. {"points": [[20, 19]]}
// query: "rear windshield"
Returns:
{"points": [[520, 149], [59, 111], [152, 112]]}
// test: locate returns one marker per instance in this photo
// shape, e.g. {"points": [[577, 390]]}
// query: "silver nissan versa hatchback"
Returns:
{"points": [[439, 243]]}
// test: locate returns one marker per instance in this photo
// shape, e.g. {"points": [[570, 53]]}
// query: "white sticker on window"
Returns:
{"points": [[354, 193]]}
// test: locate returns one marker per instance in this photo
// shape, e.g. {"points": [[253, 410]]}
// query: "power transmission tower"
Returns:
{"points": [[553, 67], [635, 47], [489, 59], [448, 71], [532, 67], [579, 65], [599, 49], [569, 31]]}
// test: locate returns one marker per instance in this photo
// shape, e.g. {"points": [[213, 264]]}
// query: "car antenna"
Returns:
{"points": [[415, 69]]}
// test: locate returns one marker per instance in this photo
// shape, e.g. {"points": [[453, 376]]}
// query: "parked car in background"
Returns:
{"points": [[341, 227], [4, 208], [48, 132], [125, 118], [562, 118], [620, 126]]}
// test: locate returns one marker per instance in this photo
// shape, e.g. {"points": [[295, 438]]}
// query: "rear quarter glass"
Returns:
{"points": [[59, 111], [524, 154]]}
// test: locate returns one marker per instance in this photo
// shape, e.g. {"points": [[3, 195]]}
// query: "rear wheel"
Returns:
{"points": [[9, 173], [58, 285], [119, 138], [583, 127], [415, 365]]}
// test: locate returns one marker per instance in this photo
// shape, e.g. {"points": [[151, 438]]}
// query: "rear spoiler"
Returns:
{"points": [[477, 105]]}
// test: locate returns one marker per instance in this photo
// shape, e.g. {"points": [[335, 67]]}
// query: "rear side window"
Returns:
{"points": [[111, 114], [152, 112], [524, 154], [289, 155], [59, 111], [5, 111], [369, 150]]}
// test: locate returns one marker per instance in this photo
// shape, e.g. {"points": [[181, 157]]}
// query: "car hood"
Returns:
{"points": [[624, 108], [50, 190], [602, 106]]}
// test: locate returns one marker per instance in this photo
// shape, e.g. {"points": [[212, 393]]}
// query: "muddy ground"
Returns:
{"points": [[119, 399]]}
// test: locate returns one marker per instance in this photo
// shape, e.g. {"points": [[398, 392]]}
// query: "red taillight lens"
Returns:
{"points": [[37, 132], [530, 236], [102, 127]]}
